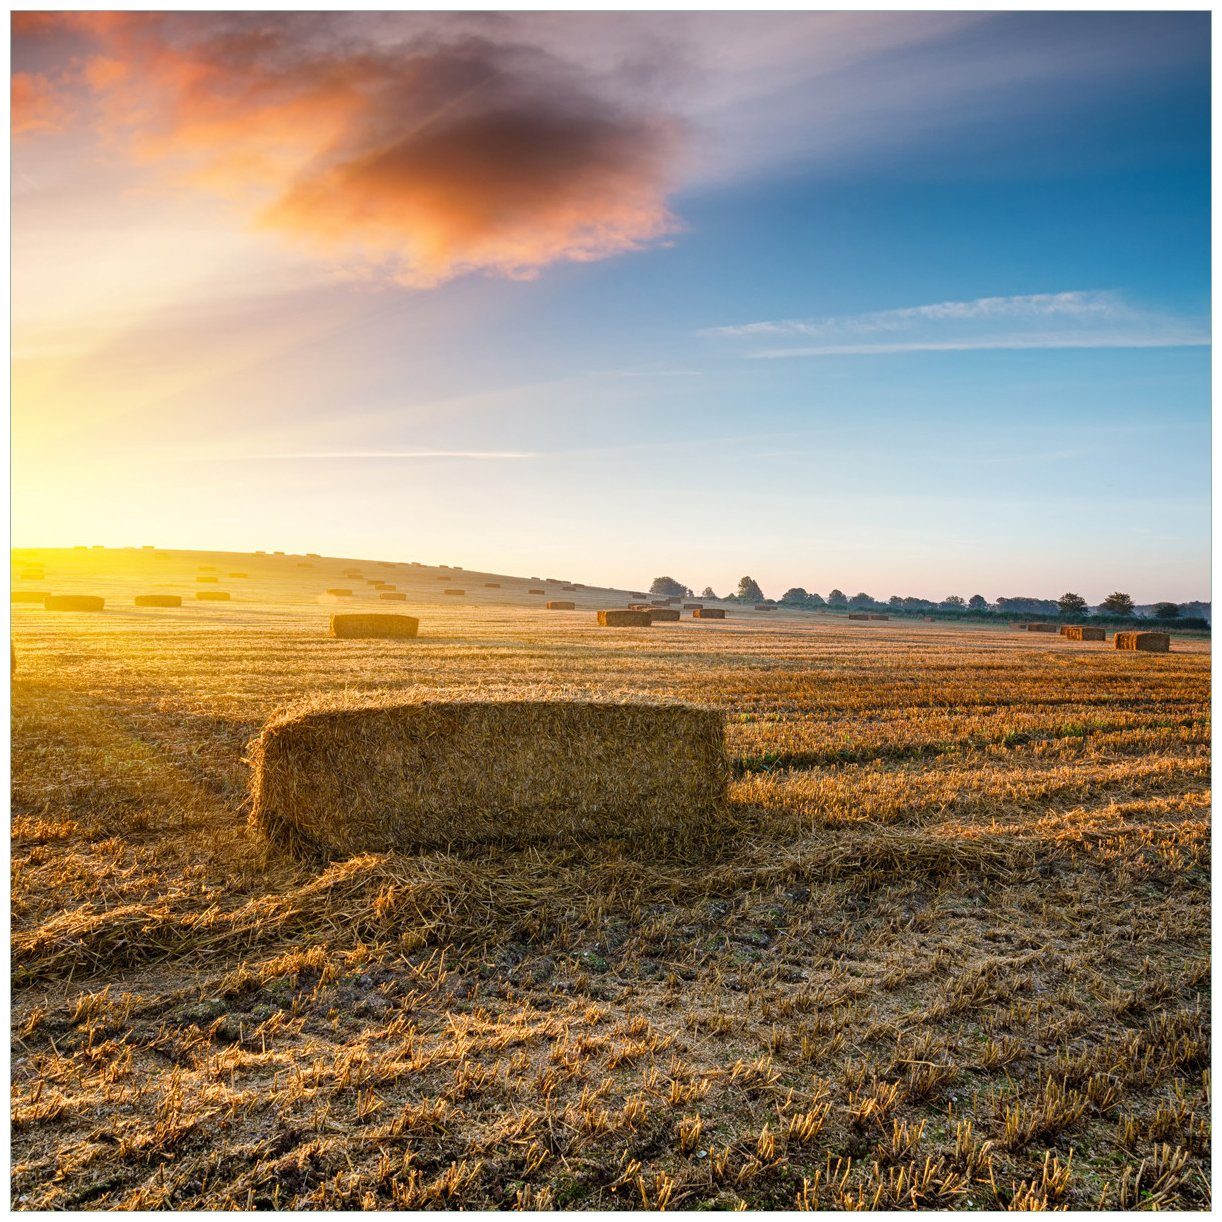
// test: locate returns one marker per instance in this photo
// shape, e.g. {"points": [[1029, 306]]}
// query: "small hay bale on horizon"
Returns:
{"points": [[1147, 642], [337, 778], [858, 615], [238, 575], [876, 615], [216, 596], [158, 600], [492, 585], [561, 604], [393, 596], [73, 602], [663, 615], [637, 594], [455, 593], [32, 574], [373, 625], [339, 592], [536, 591], [708, 613], [620, 617], [693, 606]]}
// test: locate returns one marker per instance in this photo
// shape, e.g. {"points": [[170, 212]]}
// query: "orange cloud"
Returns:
{"points": [[36, 104], [427, 159]]}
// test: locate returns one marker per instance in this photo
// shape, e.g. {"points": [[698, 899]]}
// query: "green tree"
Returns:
{"points": [[953, 602], [837, 599], [707, 592], [749, 591], [817, 600], [861, 599], [668, 587], [1074, 604], [1166, 611], [795, 595], [978, 602], [1118, 604], [895, 601]]}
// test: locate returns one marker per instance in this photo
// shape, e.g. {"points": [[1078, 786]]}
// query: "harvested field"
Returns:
{"points": [[949, 946], [359, 625], [624, 618]]}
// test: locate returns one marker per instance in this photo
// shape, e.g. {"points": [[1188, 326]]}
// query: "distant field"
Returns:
{"points": [[952, 952]]}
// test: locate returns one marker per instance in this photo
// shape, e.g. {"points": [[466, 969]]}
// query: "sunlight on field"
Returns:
{"points": [[952, 949]]}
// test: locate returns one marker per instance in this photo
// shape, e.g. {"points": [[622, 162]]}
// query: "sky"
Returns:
{"points": [[899, 303]]}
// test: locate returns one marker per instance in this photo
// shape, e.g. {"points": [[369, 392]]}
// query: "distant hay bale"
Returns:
{"points": [[1147, 642], [492, 585], [29, 596], [351, 627], [568, 589], [339, 592], [875, 615], [1079, 632], [561, 604], [1042, 628], [663, 615], [640, 606], [455, 593], [624, 618], [337, 779], [637, 594], [659, 602], [393, 596], [158, 600], [215, 596], [207, 579], [536, 591], [73, 602], [708, 613], [858, 615], [277, 553]]}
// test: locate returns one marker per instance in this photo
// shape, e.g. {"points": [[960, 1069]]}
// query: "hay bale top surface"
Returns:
{"points": [[338, 777]]}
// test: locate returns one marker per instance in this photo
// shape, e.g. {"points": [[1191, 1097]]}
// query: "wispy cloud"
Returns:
{"points": [[339, 455], [1077, 319]]}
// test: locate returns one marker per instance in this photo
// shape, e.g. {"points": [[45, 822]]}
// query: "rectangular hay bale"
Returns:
{"points": [[216, 596], [373, 624], [708, 613], [663, 615], [339, 593], [1147, 642], [858, 615], [455, 593], [393, 596], [1042, 628], [618, 617], [73, 602], [158, 600], [561, 604], [336, 779]]}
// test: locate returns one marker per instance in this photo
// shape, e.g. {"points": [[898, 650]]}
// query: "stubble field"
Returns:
{"points": [[952, 950]]}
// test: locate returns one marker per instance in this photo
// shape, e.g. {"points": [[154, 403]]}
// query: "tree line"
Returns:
{"points": [[1116, 606]]}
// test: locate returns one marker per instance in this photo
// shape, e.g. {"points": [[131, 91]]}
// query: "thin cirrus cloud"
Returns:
{"points": [[419, 159], [1079, 319]]}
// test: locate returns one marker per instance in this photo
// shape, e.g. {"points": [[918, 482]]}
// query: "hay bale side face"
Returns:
{"points": [[158, 600], [392, 596], [693, 606], [215, 596], [73, 602], [620, 618], [858, 615], [455, 593], [492, 585], [663, 615], [876, 616], [536, 591], [1042, 628], [561, 604], [338, 781], [1092, 634], [1147, 642], [338, 593], [708, 613], [207, 579], [29, 596], [361, 627]]}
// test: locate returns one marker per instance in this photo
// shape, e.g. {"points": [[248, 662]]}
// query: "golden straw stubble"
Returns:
{"points": [[339, 778]]}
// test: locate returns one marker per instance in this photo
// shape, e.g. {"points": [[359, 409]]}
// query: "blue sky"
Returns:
{"points": [[915, 304]]}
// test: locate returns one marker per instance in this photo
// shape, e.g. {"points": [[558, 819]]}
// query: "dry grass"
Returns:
{"points": [[951, 949]]}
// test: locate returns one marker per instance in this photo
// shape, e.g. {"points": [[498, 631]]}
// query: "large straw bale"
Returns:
{"points": [[663, 615], [216, 596], [29, 596], [1148, 642], [708, 613], [1079, 632], [158, 600], [561, 604], [73, 602], [618, 617], [373, 624], [341, 778]]}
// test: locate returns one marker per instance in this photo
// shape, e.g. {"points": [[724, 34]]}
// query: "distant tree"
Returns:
{"points": [[837, 599], [917, 604], [895, 601], [795, 595], [1118, 604], [1071, 604], [749, 591], [861, 600], [952, 602], [978, 602], [668, 587], [816, 600], [1043, 606], [707, 592], [1166, 611]]}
